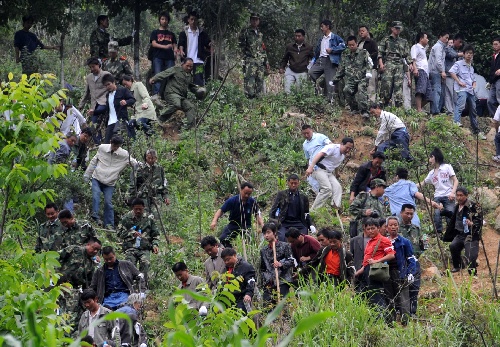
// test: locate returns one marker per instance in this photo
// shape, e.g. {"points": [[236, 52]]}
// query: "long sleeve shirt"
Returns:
{"points": [[389, 123], [106, 165], [436, 58]]}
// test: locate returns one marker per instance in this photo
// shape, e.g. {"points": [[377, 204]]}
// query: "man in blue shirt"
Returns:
{"points": [[240, 208], [25, 43], [313, 143], [465, 82]]}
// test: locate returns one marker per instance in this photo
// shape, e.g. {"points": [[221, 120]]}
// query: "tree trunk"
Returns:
{"points": [[61, 56], [137, 26]]}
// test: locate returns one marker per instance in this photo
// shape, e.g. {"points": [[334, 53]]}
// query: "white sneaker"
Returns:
{"points": [[481, 136], [458, 124], [496, 158]]}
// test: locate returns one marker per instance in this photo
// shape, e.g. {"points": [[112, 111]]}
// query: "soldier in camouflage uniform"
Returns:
{"points": [[178, 80], [99, 39], [50, 231], [139, 236], [76, 233], [355, 67], [392, 51], [255, 58], [367, 204], [115, 65], [149, 183], [77, 268]]}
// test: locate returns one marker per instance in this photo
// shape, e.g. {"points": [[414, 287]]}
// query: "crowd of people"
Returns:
{"points": [[385, 241]]}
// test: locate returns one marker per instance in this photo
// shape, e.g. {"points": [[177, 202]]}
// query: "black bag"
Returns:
{"points": [[150, 52]]}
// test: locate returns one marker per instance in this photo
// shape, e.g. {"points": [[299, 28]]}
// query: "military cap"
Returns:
{"points": [[397, 24], [377, 182], [254, 15], [113, 46]]}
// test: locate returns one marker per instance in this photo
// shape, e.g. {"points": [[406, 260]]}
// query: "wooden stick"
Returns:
{"points": [[276, 272], [243, 243], [340, 220]]}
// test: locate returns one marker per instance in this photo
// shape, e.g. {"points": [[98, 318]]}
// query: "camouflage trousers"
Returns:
{"points": [[140, 256], [173, 103], [253, 79], [356, 94], [391, 83], [71, 308], [30, 63]]}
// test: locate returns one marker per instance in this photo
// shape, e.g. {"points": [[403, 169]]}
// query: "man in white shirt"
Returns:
{"points": [[326, 162], [195, 43], [392, 133], [105, 169], [423, 93], [437, 72], [313, 143]]}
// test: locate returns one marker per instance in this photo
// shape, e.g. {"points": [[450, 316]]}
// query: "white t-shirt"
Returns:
{"points": [[113, 118], [418, 54], [192, 49], [441, 180], [325, 43], [333, 158]]}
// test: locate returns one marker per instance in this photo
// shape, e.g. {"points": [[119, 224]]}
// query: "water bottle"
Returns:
{"points": [[277, 214], [466, 226], [96, 262], [138, 239]]}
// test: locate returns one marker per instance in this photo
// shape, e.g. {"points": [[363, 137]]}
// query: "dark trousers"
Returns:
{"points": [[97, 119], [413, 291], [198, 74], [497, 143], [270, 294], [459, 243], [228, 235], [374, 292], [397, 296], [142, 123], [286, 225], [399, 139]]}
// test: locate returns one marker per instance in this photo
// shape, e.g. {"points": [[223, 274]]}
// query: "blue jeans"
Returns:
{"points": [[462, 98], [97, 189], [160, 65], [497, 143], [437, 95], [494, 97], [449, 205], [399, 139]]}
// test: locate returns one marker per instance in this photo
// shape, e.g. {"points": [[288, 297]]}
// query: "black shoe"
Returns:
{"points": [[455, 270]]}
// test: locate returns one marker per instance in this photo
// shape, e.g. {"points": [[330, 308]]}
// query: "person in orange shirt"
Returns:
{"points": [[332, 262], [379, 249]]}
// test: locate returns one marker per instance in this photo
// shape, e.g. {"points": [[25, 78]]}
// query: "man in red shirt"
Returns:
{"points": [[304, 247], [379, 249]]}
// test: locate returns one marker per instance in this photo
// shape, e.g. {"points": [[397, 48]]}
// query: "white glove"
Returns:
{"points": [[203, 311], [368, 75], [410, 278], [331, 83], [143, 345], [488, 86], [142, 296], [313, 229]]}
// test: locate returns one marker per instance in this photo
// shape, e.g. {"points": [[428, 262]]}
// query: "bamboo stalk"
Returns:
{"points": [[276, 272]]}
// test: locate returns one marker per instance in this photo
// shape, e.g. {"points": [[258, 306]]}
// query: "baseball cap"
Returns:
{"points": [[377, 182], [397, 24]]}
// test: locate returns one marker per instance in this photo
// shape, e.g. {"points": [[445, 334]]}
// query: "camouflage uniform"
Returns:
{"points": [[393, 51], [99, 39], [353, 68], [255, 61], [178, 82], [30, 61], [149, 239], [118, 67], [363, 202], [49, 237], [78, 234], [77, 269], [150, 183], [412, 233]]}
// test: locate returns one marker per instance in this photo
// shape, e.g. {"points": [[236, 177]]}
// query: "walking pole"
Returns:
{"points": [[496, 267], [276, 272], [243, 243], [340, 220], [153, 201]]}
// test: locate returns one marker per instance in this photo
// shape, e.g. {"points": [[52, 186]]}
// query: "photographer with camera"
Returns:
{"points": [[367, 204]]}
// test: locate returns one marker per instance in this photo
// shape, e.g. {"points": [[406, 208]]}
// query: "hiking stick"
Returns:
{"points": [[153, 201], [496, 267], [244, 245], [340, 220], [276, 272]]}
